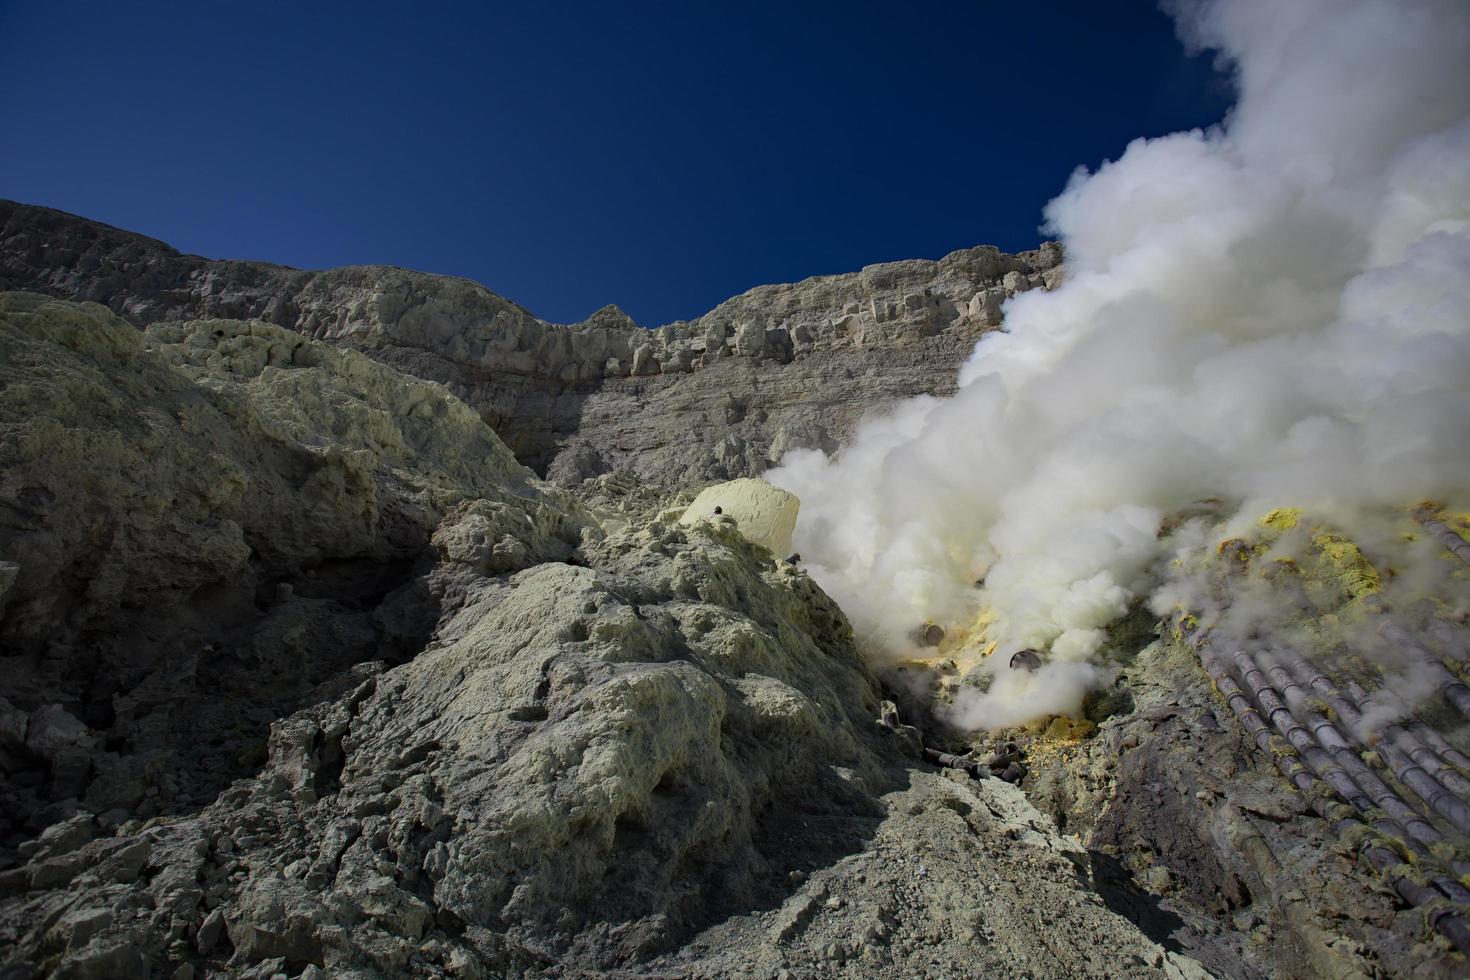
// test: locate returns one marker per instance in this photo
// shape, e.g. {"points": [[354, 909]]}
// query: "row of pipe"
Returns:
{"points": [[1449, 686], [1319, 773], [1410, 761], [1323, 723], [1422, 742], [1316, 733], [1327, 753]]}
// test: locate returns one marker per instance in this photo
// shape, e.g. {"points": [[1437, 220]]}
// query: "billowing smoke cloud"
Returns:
{"points": [[1274, 312]]}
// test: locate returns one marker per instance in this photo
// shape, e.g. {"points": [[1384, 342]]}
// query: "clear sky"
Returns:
{"points": [[661, 156]]}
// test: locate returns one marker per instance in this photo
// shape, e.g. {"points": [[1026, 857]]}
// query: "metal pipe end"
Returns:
{"points": [[1028, 660], [929, 635]]}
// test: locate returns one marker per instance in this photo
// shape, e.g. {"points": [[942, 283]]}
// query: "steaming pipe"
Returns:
{"points": [[1329, 770], [1450, 686], [1381, 859], [1351, 714], [1412, 741], [1316, 758], [1349, 708], [928, 634], [1431, 782], [1402, 821], [1448, 923], [1431, 738], [1453, 689], [1439, 746], [1416, 830], [1351, 711], [1427, 788], [1447, 535], [1027, 660]]}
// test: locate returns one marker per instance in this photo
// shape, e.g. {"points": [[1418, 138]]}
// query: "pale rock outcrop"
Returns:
{"points": [[750, 339], [1015, 282], [495, 537], [985, 305], [644, 363]]}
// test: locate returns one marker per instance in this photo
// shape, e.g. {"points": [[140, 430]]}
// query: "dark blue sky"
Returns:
{"points": [[661, 156]]}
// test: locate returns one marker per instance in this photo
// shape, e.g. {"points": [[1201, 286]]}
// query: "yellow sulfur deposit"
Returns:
{"points": [[1337, 557], [967, 647], [1355, 572], [1282, 518]]}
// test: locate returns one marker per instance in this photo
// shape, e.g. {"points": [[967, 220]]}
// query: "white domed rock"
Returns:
{"points": [[765, 515]]}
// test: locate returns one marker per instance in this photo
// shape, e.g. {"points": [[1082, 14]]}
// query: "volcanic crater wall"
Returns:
{"points": [[721, 396], [306, 674]]}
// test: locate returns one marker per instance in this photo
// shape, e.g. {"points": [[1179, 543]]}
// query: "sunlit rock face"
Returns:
{"points": [[722, 396]]}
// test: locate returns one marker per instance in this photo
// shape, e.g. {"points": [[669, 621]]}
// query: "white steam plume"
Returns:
{"points": [[1274, 312]]}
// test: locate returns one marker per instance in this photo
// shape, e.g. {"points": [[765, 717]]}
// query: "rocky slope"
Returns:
{"points": [[1252, 784], [200, 524], [306, 674], [718, 397], [307, 677]]}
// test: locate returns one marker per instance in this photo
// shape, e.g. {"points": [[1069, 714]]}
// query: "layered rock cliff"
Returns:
{"points": [[721, 396]]}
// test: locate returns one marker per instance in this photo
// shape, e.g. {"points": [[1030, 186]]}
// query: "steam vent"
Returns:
{"points": [[1095, 606]]}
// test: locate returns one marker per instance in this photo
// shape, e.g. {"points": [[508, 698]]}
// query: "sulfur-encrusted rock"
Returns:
{"points": [[210, 453], [495, 537]]}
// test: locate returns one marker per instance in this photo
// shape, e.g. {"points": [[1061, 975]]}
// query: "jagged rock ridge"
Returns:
{"points": [[778, 367]]}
